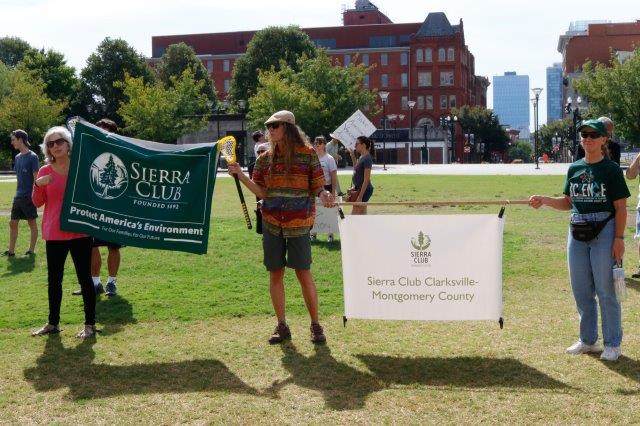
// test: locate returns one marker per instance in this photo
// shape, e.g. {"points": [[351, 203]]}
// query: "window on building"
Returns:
{"points": [[382, 41], [384, 59], [420, 102], [441, 55], [365, 59], [419, 55], [226, 86], [384, 80], [404, 79], [428, 55], [429, 101], [225, 65], [404, 58], [210, 66], [347, 60], [424, 79], [451, 54], [443, 102], [328, 43], [452, 101], [365, 80], [446, 78], [404, 102]]}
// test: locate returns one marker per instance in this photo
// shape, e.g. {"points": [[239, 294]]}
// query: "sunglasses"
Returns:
{"points": [[261, 152], [58, 142], [587, 135], [273, 125]]}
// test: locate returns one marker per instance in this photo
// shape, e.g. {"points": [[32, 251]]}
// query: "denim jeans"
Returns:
{"points": [[590, 272]]}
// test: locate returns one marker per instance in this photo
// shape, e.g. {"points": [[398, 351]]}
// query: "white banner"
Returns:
{"points": [[356, 125], [433, 267]]}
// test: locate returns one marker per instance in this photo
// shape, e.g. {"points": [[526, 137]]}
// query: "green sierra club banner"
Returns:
{"points": [[139, 193]]}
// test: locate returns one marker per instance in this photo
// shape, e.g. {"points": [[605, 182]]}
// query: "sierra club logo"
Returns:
{"points": [[420, 256], [109, 178]]}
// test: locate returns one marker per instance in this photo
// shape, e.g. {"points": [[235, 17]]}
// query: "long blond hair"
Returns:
{"points": [[293, 137]]}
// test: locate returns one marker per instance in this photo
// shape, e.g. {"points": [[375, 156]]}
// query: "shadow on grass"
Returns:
{"points": [[326, 245], [627, 367], [114, 313], [464, 372], [20, 265], [342, 386], [632, 283], [73, 368]]}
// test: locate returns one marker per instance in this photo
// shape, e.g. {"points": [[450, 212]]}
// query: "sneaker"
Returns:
{"points": [[46, 329], [280, 334], [317, 334], [611, 353], [77, 292], [8, 253], [636, 275], [29, 253], [330, 239], [581, 348], [86, 332], [111, 288], [99, 289]]}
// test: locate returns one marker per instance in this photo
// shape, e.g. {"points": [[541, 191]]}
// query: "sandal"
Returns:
{"points": [[46, 329], [86, 332]]}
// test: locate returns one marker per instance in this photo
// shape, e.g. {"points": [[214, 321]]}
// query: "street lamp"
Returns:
{"points": [[536, 92], [577, 118], [411, 105], [426, 141], [450, 122], [384, 97], [241, 107], [556, 140]]}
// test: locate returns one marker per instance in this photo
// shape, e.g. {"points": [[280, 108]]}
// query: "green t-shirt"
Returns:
{"points": [[594, 187]]}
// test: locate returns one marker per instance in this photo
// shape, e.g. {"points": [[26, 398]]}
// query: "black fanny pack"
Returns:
{"points": [[587, 231]]}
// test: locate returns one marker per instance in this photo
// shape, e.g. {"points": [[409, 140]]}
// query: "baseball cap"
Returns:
{"points": [[21, 134], [596, 125], [261, 147], [283, 116]]}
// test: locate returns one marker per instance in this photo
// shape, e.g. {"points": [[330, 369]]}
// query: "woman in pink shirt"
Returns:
{"points": [[48, 191]]}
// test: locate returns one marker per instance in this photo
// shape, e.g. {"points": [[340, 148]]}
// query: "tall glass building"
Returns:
{"points": [[555, 102], [511, 101]]}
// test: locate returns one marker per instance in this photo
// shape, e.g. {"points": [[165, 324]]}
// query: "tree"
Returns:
{"points": [[12, 50], [154, 112], [269, 49], [522, 150], [99, 95], [108, 175], [180, 57], [27, 107], [547, 132], [321, 95], [615, 92], [485, 126], [61, 83]]}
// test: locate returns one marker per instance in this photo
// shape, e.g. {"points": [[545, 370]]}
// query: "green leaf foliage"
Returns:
{"points": [[322, 95], [99, 95], [12, 50], [614, 91], [269, 49], [180, 57], [547, 132], [484, 124], [163, 114], [522, 150]]}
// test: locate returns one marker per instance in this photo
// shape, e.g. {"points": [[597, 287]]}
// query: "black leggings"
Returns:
{"points": [[57, 251]]}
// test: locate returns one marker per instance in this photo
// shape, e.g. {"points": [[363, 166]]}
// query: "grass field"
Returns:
{"points": [[185, 340]]}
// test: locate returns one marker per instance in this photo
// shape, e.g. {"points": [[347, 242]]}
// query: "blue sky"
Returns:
{"points": [[503, 35]]}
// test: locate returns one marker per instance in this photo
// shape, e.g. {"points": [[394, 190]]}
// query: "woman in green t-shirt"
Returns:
{"points": [[595, 191]]}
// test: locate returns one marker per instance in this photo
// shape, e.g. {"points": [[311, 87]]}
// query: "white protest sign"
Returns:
{"points": [[326, 221], [356, 125], [436, 267]]}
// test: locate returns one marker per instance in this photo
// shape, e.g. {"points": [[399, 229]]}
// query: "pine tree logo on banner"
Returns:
{"points": [[420, 256], [109, 177]]}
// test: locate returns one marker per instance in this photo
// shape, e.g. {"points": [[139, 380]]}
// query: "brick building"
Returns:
{"points": [[425, 62]]}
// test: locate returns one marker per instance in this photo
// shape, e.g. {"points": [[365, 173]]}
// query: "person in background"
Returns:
{"points": [[113, 256], [258, 139], [596, 193], [631, 173], [287, 178], [26, 167], [330, 171], [259, 148], [612, 146], [333, 148], [361, 180], [48, 191]]}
